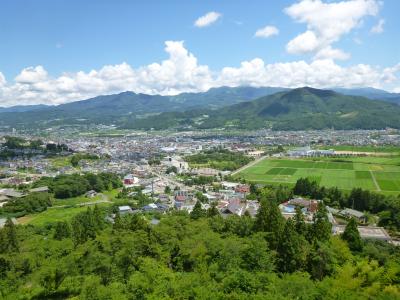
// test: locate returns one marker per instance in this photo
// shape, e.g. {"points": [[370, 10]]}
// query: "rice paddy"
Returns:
{"points": [[380, 174]]}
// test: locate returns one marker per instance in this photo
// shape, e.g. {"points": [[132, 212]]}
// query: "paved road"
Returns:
{"points": [[173, 181], [250, 164]]}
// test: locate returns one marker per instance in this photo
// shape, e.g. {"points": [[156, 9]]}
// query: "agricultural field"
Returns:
{"points": [[380, 174]]}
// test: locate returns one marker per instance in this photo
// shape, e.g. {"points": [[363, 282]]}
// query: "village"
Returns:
{"points": [[156, 168]]}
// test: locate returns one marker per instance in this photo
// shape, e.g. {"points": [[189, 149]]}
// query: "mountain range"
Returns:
{"points": [[240, 107]]}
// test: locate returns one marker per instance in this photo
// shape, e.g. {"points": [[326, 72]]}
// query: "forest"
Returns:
{"points": [[220, 159], [195, 256]]}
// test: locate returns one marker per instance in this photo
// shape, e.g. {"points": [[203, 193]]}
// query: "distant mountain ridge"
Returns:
{"points": [[297, 109], [129, 109], [23, 108], [111, 109]]}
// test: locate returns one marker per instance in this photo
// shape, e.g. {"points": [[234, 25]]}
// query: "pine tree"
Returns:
{"points": [[291, 249], [118, 224], [98, 218], [197, 211], [11, 235], [62, 230], [299, 224], [213, 210], [261, 223], [352, 236], [269, 219], [321, 228]]}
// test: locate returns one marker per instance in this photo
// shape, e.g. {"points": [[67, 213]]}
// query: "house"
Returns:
{"points": [[366, 232], [243, 188], [91, 194], [125, 209], [130, 180], [352, 213], [183, 195], [11, 193], [235, 206], [229, 185], [42, 189], [310, 205], [163, 198]]}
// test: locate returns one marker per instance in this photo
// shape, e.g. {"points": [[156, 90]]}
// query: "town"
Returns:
{"points": [[176, 171]]}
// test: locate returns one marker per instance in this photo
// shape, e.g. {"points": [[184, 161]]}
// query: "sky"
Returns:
{"points": [[58, 51]]}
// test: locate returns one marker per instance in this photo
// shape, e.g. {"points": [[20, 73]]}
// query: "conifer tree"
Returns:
{"points": [[213, 210], [291, 249], [321, 228], [299, 223], [269, 219], [352, 236], [197, 211], [11, 235], [62, 230]]}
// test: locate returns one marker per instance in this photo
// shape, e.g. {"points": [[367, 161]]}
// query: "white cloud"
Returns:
{"points": [[378, 28], [181, 72], [207, 19], [31, 75], [327, 23], [267, 32], [331, 53], [303, 43], [2, 80]]}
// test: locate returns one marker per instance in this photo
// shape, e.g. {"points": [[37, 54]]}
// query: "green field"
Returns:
{"points": [[381, 174]]}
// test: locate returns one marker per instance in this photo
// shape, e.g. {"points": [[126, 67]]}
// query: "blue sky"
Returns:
{"points": [[49, 48]]}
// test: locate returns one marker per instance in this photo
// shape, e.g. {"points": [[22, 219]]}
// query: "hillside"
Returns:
{"points": [[371, 93], [298, 109], [118, 108], [278, 108]]}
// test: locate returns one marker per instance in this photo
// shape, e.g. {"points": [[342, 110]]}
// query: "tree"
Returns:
{"points": [[167, 189], [197, 211], [213, 210], [269, 219], [352, 236], [98, 217], [292, 250], [62, 230], [299, 223], [118, 224], [11, 235], [321, 228]]}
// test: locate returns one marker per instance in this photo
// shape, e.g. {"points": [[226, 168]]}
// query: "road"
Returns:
{"points": [[104, 199], [250, 164], [172, 181]]}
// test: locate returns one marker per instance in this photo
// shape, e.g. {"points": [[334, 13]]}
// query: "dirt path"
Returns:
{"points": [[250, 164], [378, 188]]}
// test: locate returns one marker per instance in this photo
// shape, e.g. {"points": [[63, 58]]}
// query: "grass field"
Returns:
{"points": [[51, 215], [381, 174]]}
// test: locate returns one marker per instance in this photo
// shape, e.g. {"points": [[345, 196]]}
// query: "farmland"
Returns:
{"points": [[380, 174]]}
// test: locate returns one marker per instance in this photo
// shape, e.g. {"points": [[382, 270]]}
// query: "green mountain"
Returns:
{"points": [[118, 108], [297, 109]]}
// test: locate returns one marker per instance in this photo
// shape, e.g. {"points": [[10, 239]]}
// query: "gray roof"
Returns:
{"points": [[39, 189], [11, 193], [352, 212]]}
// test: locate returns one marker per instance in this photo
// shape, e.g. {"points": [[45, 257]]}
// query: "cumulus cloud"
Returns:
{"points": [[378, 28], [331, 53], [207, 19], [321, 73], [267, 32], [181, 72], [31, 75], [327, 23]]}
